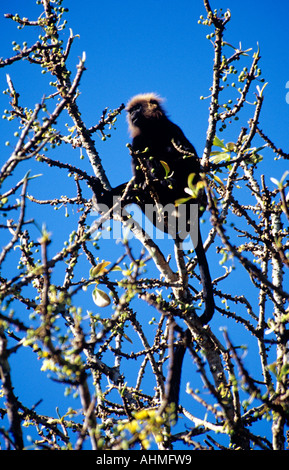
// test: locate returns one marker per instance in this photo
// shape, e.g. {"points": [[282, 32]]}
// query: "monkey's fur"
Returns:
{"points": [[162, 160], [162, 157]]}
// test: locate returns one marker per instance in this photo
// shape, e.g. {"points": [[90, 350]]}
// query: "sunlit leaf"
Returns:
{"points": [[166, 167], [99, 269], [100, 298], [220, 157], [127, 338], [218, 142], [260, 91], [190, 180], [280, 183], [231, 146], [216, 178], [182, 200], [116, 268]]}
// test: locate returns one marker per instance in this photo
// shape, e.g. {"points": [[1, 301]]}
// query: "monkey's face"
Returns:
{"points": [[144, 111]]}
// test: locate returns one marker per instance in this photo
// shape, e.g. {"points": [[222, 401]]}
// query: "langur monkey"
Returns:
{"points": [[162, 160]]}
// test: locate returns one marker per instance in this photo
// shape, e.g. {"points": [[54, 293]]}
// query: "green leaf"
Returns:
{"points": [[216, 178], [99, 270], [260, 91], [280, 183], [275, 181], [218, 142], [100, 298], [220, 157], [190, 180], [127, 338], [116, 268], [182, 200], [284, 176], [231, 146], [284, 371], [166, 167]]}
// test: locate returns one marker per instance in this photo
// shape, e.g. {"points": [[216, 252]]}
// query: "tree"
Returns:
{"points": [[116, 367]]}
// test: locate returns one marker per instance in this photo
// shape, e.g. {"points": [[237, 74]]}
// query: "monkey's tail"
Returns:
{"points": [[206, 281]]}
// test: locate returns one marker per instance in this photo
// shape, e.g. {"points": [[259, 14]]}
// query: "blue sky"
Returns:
{"points": [[134, 47], [158, 46]]}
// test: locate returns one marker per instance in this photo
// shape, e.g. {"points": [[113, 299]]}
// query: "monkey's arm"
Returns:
{"points": [[104, 196], [125, 193], [181, 142]]}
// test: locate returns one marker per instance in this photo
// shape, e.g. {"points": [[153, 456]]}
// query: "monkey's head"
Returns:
{"points": [[144, 113]]}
